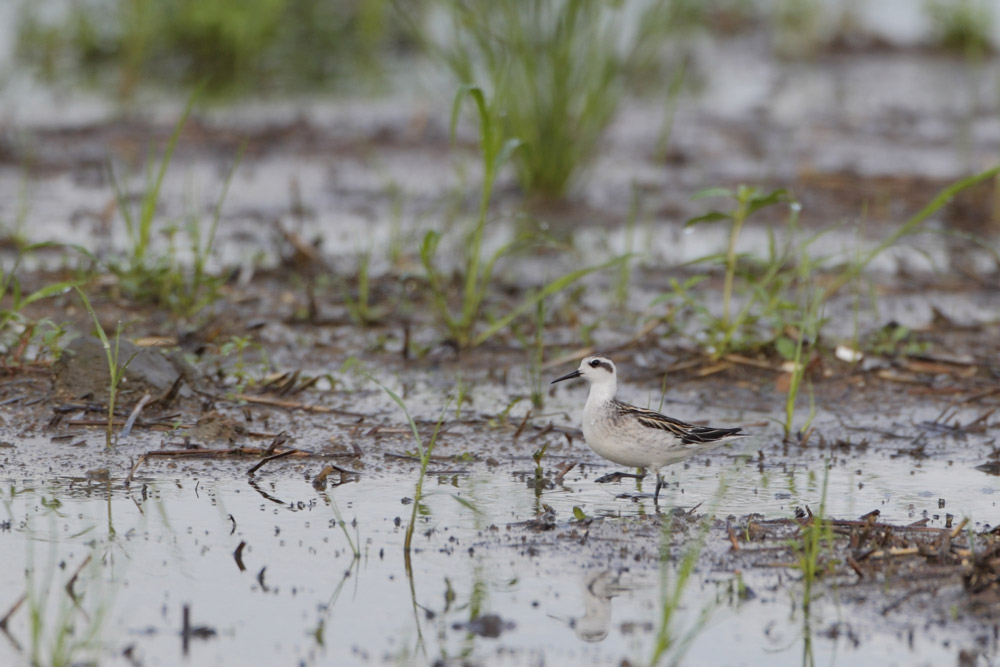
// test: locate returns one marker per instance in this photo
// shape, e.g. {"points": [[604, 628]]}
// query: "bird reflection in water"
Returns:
{"points": [[598, 589]]}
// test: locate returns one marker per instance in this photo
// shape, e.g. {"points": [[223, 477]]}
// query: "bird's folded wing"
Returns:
{"points": [[688, 433]]}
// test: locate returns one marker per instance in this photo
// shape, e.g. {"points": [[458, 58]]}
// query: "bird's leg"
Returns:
{"points": [[659, 485], [619, 476]]}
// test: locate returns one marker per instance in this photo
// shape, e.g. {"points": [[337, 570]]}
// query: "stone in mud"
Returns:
{"points": [[215, 427], [82, 370]]}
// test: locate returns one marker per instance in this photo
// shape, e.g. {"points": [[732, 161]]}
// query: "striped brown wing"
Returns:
{"points": [[688, 433]]}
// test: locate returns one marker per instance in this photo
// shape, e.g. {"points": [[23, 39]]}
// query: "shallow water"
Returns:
{"points": [[169, 541]]}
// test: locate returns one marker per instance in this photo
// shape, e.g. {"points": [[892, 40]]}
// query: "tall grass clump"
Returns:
{"points": [[557, 69], [476, 280], [962, 26]]}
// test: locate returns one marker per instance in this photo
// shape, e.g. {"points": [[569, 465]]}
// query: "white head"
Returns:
{"points": [[599, 371]]}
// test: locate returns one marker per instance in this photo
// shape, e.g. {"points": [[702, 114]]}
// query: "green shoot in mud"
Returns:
{"points": [[359, 306], [162, 279], [625, 270], [796, 27], [139, 223], [748, 201], [538, 358], [496, 150], [780, 287], [894, 340], [806, 329], [241, 370], [558, 71], [116, 370], [766, 285], [423, 452]]}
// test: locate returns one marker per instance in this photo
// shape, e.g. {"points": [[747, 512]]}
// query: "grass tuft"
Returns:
{"points": [[557, 69]]}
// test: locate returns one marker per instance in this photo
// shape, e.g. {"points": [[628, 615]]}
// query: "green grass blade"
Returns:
{"points": [[399, 401], [505, 153], [943, 197], [152, 197], [757, 203], [712, 192], [47, 291], [476, 93], [97, 325], [714, 216], [553, 287]]}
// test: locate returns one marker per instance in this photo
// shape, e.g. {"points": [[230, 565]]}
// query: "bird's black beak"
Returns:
{"points": [[568, 376]]}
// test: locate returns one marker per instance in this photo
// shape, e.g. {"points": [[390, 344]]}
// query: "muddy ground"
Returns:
{"points": [[256, 510]]}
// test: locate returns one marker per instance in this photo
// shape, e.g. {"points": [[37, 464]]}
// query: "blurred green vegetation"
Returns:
{"points": [[238, 46], [559, 70], [962, 26]]}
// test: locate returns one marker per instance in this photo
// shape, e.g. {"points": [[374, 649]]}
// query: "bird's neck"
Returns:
{"points": [[602, 393]]}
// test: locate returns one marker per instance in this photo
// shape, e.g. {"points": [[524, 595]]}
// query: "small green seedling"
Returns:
{"points": [[748, 201], [116, 370]]}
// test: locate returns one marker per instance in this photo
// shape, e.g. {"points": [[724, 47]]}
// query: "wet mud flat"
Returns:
{"points": [[276, 512], [255, 504]]}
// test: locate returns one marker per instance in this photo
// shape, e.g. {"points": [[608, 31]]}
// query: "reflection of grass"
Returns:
{"points": [[65, 625], [814, 533], [815, 536], [354, 568], [668, 642], [65, 637], [424, 453]]}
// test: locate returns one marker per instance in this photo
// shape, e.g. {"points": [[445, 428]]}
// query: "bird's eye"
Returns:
{"points": [[595, 363]]}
